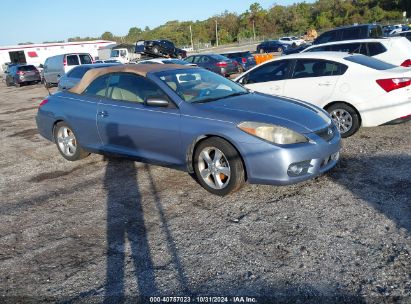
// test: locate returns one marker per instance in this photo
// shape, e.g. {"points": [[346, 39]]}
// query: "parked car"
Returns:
{"points": [[406, 34], [356, 90], [108, 61], [164, 48], [394, 50], [271, 46], [244, 58], [56, 66], [292, 40], [361, 31], [22, 74], [73, 77], [192, 119], [166, 61], [216, 63], [295, 50]]}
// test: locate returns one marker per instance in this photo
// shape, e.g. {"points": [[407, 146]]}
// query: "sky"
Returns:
{"points": [[50, 20]]}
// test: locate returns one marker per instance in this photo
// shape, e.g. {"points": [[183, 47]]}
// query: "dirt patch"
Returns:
{"points": [[18, 110], [29, 134]]}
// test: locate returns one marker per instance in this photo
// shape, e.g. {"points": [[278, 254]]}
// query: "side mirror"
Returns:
{"points": [[244, 80], [157, 102]]}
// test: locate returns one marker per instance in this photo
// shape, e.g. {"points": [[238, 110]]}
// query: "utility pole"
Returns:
{"points": [[191, 38], [216, 32], [254, 29]]}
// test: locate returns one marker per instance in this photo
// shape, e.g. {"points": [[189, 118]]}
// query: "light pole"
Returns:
{"points": [[191, 38], [216, 32]]}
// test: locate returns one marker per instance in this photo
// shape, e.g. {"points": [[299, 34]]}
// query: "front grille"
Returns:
{"points": [[327, 133]]}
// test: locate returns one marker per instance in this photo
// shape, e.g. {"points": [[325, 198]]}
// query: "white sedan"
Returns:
{"points": [[356, 90], [292, 41]]}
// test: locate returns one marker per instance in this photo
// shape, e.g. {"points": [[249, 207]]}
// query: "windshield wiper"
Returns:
{"points": [[218, 98]]}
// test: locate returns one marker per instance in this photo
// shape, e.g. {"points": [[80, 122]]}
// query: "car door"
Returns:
{"points": [[313, 80], [128, 126], [268, 78]]}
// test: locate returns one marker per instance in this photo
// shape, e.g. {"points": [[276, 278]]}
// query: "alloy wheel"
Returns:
{"points": [[214, 168], [342, 119], [66, 141]]}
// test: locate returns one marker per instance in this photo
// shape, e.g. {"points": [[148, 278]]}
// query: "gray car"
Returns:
{"points": [[22, 74], [216, 63], [73, 77]]}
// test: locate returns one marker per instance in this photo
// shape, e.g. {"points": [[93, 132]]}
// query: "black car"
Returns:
{"points": [[21, 74], [361, 31], [295, 50], [406, 34], [271, 46], [216, 63], [160, 48], [245, 59]]}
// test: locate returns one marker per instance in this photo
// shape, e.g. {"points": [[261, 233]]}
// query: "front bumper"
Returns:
{"points": [[270, 164]]}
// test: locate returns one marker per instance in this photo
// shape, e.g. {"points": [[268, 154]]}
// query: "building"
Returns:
{"points": [[37, 54]]}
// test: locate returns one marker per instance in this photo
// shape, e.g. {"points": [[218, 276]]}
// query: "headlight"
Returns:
{"points": [[272, 133]]}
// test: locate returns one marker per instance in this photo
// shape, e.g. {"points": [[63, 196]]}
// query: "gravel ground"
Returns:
{"points": [[106, 229]]}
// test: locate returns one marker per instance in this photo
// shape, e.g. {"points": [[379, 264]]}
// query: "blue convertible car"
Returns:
{"points": [[194, 119]]}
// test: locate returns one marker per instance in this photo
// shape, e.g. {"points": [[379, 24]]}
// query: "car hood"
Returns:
{"points": [[290, 113]]}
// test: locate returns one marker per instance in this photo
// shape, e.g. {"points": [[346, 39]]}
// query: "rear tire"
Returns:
{"points": [[67, 143], [345, 118], [218, 166]]}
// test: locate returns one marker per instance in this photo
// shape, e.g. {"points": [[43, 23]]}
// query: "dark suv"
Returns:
{"points": [[245, 59], [361, 31], [160, 48], [21, 74]]}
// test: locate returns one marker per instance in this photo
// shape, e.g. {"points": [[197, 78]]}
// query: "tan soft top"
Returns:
{"points": [[139, 69]]}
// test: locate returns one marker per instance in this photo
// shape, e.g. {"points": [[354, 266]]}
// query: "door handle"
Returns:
{"points": [[102, 113], [326, 84]]}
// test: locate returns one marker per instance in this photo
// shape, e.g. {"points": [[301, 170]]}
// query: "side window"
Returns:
{"points": [[375, 48], [72, 60], [198, 59], [204, 59], [356, 48], [85, 59], [327, 37], [350, 33], [97, 87], [306, 68], [272, 71], [190, 59], [132, 88]]}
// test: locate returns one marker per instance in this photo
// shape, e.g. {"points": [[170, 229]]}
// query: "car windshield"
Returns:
{"points": [[198, 85], [218, 57], [370, 62]]}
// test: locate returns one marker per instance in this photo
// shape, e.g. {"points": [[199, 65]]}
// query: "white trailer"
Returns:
{"points": [[37, 54]]}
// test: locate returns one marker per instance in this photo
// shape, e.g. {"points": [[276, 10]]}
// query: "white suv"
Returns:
{"points": [[394, 50], [294, 41]]}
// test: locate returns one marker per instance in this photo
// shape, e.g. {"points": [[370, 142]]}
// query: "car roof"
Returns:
{"points": [[351, 26], [317, 55], [384, 39], [138, 69]]}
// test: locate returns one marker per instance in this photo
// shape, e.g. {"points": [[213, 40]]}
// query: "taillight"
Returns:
{"points": [[406, 63], [43, 102], [393, 83], [244, 60], [20, 73], [221, 64], [64, 62]]}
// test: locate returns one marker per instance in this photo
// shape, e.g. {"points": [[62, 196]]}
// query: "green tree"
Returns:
{"points": [[107, 36]]}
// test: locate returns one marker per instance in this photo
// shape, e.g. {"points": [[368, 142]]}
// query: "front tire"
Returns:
{"points": [[262, 51], [345, 118], [218, 166], [155, 50], [67, 143]]}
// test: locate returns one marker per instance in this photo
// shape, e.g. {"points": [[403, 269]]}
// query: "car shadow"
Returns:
{"points": [[384, 182], [125, 224]]}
